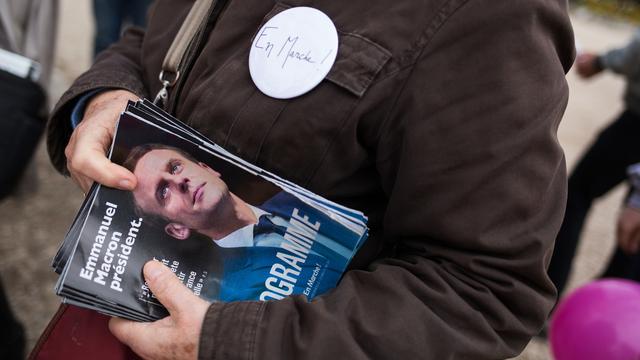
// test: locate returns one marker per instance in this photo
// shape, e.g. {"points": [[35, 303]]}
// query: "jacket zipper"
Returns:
{"points": [[194, 49]]}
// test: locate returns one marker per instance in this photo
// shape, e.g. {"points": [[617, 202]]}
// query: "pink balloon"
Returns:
{"points": [[598, 321]]}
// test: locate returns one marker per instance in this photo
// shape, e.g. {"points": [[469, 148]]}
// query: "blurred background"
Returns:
{"points": [[34, 219]]}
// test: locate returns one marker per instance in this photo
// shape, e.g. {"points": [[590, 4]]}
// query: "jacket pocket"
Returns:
{"points": [[290, 137]]}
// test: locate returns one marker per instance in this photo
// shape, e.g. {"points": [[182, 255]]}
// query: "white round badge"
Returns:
{"points": [[293, 52]]}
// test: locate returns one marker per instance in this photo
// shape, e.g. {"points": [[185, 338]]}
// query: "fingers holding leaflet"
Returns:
{"points": [[168, 289], [87, 148], [177, 335]]}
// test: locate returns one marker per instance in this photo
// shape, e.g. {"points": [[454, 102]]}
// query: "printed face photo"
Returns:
{"points": [[175, 187]]}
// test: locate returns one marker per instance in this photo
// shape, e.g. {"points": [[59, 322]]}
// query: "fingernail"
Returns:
{"points": [[152, 270], [127, 184]]}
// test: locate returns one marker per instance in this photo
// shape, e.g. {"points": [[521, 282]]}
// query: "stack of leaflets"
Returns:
{"points": [[228, 229]]}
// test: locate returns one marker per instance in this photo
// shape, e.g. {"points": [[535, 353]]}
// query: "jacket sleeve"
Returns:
{"points": [[624, 60], [117, 67], [476, 186]]}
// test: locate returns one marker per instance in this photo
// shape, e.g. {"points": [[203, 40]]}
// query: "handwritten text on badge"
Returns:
{"points": [[293, 52]]}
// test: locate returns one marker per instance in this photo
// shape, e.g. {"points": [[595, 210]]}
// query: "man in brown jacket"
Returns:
{"points": [[438, 120]]}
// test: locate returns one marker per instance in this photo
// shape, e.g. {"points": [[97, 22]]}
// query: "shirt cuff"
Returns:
{"points": [[78, 110]]}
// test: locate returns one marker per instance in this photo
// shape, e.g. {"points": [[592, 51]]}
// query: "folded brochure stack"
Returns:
{"points": [[228, 229]]}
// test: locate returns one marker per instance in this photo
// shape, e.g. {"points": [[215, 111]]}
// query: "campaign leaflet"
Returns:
{"points": [[227, 229]]}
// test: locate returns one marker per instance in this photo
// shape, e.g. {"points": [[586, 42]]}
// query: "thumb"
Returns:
{"points": [[99, 168], [166, 287]]}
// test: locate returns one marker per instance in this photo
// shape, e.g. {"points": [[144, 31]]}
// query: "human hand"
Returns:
{"points": [[87, 148], [628, 231], [587, 65], [174, 337]]}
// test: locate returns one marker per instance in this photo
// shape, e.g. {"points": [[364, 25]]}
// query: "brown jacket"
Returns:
{"points": [[438, 120]]}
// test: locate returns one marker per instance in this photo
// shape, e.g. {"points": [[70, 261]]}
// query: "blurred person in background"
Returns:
{"points": [[12, 337], [603, 165], [628, 227], [28, 28], [27, 38], [112, 15]]}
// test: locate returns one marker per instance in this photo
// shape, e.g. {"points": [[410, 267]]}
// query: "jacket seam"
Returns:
{"points": [[445, 12], [436, 28], [254, 333], [312, 175]]}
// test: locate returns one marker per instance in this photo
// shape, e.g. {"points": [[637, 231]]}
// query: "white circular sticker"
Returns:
{"points": [[293, 52]]}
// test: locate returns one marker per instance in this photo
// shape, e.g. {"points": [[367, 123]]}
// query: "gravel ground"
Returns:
{"points": [[35, 220]]}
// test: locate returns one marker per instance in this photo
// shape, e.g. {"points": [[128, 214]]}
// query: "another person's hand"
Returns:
{"points": [[87, 148], [174, 337], [587, 65], [628, 231]]}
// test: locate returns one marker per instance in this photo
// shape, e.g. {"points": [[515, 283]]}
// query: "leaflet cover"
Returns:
{"points": [[227, 229]]}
